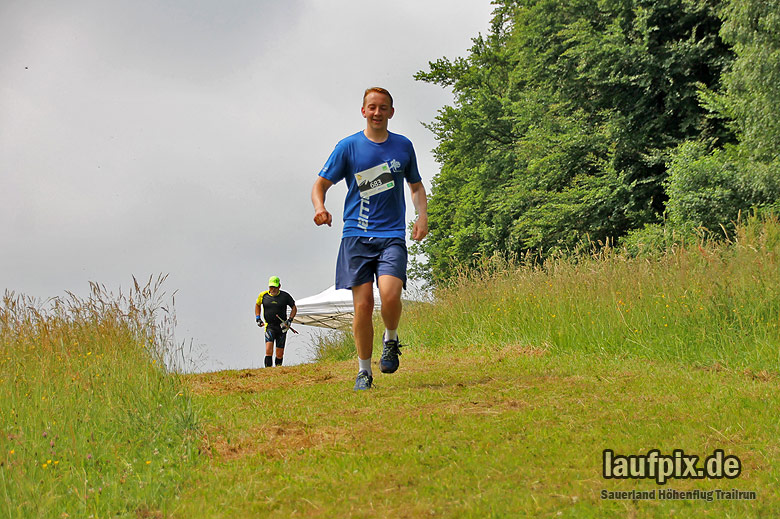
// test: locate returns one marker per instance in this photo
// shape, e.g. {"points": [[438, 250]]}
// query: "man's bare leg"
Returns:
{"points": [[362, 324], [390, 291], [390, 288]]}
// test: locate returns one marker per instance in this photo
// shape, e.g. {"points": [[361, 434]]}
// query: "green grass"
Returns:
{"points": [[709, 304], [514, 381], [510, 433], [93, 424]]}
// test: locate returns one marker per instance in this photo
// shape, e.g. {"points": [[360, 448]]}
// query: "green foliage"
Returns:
{"points": [[564, 116], [704, 188], [653, 239], [711, 187], [92, 424], [752, 85]]}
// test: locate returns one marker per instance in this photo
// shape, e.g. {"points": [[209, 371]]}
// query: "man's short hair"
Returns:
{"points": [[378, 90]]}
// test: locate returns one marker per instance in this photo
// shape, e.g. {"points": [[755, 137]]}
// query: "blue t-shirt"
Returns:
{"points": [[375, 173]]}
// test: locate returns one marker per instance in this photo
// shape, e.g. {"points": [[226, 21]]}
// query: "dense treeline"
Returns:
{"points": [[599, 119]]}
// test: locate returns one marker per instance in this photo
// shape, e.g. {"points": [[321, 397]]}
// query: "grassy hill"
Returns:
{"points": [[513, 384]]}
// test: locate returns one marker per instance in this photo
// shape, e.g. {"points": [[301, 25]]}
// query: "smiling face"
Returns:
{"points": [[378, 110]]}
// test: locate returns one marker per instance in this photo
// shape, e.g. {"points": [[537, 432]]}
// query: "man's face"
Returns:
{"points": [[377, 110]]}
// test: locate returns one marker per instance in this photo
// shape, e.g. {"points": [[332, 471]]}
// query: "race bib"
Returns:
{"points": [[375, 180]]}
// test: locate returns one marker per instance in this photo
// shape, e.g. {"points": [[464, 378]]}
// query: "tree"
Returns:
{"points": [[709, 183], [751, 97], [564, 117]]}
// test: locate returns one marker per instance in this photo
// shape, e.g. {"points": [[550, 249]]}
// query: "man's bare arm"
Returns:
{"points": [[420, 201], [321, 215]]}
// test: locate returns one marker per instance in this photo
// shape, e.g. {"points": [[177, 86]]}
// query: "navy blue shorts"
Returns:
{"points": [[273, 334], [363, 259]]}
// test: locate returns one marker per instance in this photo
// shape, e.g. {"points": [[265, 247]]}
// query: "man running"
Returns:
{"points": [[272, 304], [374, 163]]}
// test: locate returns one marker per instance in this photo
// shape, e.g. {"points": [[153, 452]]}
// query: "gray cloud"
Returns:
{"points": [[183, 137]]}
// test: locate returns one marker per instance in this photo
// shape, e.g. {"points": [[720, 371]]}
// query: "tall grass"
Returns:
{"points": [[713, 302], [710, 303], [94, 421], [334, 345]]}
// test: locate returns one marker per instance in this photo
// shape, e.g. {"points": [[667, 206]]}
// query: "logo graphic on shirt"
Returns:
{"points": [[363, 215], [395, 165]]}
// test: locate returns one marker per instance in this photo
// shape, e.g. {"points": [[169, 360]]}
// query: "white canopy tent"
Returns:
{"points": [[330, 308]]}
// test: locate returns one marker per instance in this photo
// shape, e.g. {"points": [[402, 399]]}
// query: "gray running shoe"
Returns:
{"points": [[363, 381]]}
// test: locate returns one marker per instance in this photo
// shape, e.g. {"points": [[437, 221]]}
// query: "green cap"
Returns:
{"points": [[274, 281]]}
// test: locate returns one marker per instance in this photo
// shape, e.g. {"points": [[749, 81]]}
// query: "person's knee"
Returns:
{"points": [[364, 308], [390, 297], [390, 287], [363, 302]]}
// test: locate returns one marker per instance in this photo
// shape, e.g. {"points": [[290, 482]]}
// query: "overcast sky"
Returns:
{"points": [[183, 137]]}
